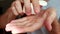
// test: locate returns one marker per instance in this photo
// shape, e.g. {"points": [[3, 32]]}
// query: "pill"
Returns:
{"points": [[43, 3]]}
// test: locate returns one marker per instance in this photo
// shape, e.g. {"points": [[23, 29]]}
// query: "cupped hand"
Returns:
{"points": [[33, 22]]}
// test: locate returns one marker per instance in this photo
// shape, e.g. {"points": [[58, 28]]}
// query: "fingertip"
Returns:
{"points": [[17, 30], [14, 11], [27, 7], [28, 12], [36, 11], [8, 27], [48, 26]]}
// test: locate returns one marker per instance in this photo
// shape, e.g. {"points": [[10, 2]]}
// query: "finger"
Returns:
{"points": [[36, 6], [18, 7], [31, 22], [24, 30], [32, 11], [17, 30], [35, 18], [8, 26], [55, 26], [50, 18], [18, 22], [36, 25], [27, 6], [13, 9], [22, 19], [14, 27], [22, 22], [30, 28]]}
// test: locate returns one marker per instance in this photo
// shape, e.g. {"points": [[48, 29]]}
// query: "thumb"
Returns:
{"points": [[50, 18]]}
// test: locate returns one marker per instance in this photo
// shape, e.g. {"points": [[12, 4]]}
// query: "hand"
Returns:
{"points": [[55, 27], [17, 9], [32, 23]]}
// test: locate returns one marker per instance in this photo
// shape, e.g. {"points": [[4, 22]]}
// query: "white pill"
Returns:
{"points": [[32, 9], [43, 3]]}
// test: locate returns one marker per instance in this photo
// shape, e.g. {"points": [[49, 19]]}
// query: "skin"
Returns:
{"points": [[13, 11], [8, 16], [55, 27], [23, 25], [16, 11], [27, 6]]}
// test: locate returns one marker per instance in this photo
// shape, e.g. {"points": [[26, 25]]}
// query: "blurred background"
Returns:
{"points": [[4, 5]]}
